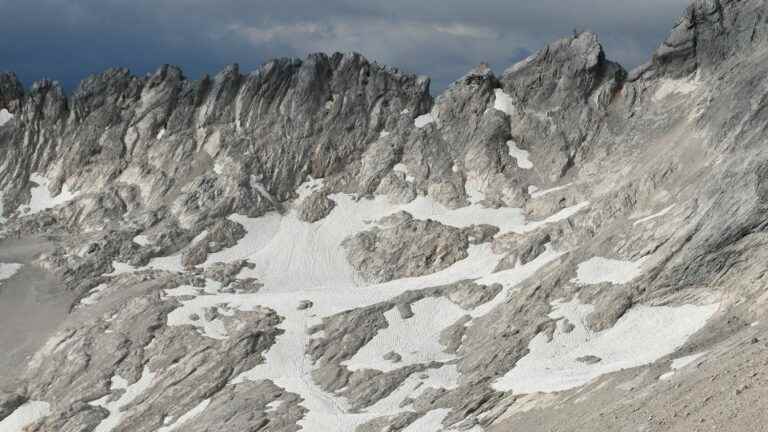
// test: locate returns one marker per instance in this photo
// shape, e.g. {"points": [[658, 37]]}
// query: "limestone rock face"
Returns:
{"points": [[321, 245], [405, 248], [221, 235], [316, 207], [560, 114]]}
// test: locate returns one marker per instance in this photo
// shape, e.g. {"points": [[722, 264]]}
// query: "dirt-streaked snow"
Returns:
{"points": [[654, 216], [25, 415], [598, 270], [643, 335]]}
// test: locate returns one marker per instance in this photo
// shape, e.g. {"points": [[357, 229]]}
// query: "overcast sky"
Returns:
{"points": [[70, 39]]}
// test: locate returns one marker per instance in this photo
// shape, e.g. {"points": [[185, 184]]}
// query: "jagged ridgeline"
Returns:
{"points": [[321, 245]]}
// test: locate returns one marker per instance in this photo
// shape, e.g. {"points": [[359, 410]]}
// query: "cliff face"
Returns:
{"points": [[320, 245]]}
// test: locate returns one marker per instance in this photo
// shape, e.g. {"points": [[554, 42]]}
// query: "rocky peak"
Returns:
{"points": [[45, 101], [564, 73], [481, 75], [289, 119], [556, 96], [709, 32]]}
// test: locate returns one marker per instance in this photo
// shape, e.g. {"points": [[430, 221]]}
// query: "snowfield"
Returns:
{"points": [[598, 270], [296, 261], [643, 335]]}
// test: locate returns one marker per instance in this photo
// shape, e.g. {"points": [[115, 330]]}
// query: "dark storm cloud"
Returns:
{"points": [[69, 39]]}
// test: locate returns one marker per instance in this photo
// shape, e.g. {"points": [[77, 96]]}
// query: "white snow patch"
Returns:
{"points": [[429, 422], [142, 240], [42, 199], [540, 193], [598, 270], [25, 415], [676, 86], [643, 335], [122, 268], [520, 155], [94, 295], [7, 270], [5, 116], [423, 120], [503, 102], [383, 134], [654, 216], [475, 187], [680, 363], [194, 412], [161, 134], [218, 168], [274, 405], [115, 407]]}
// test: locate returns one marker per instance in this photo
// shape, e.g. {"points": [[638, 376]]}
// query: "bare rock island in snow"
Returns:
{"points": [[322, 245]]}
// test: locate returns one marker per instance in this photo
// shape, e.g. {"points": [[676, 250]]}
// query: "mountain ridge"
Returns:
{"points": [[322, 245]]}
